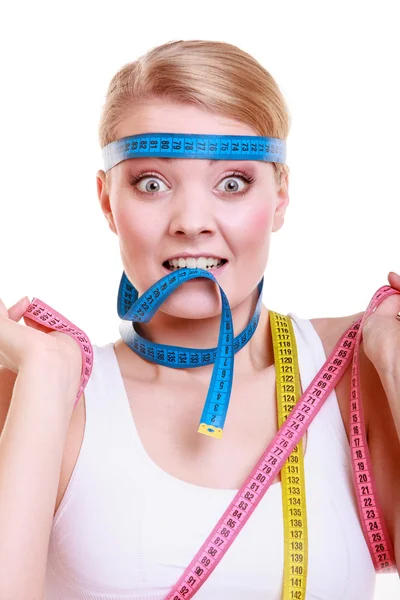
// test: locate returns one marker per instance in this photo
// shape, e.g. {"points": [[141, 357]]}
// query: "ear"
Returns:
{"points": [[104, 199], [282, 203]]}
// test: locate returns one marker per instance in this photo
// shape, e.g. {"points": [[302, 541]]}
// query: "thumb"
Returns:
{"points": [[394, 279]]}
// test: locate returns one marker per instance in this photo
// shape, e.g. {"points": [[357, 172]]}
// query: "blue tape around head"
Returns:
{"points": [[193, 145]]}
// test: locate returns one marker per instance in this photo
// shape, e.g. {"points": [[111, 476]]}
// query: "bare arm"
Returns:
{"points": [[31, 450], [384, 445]]}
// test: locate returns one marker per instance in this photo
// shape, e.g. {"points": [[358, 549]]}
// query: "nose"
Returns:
{"points": [[192, 212]]}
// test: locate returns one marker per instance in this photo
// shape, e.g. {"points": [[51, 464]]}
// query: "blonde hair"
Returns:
{"points": [[215, 76]]}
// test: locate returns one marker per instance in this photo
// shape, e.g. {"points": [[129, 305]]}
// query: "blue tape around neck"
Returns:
{"points": [[141, 309]]}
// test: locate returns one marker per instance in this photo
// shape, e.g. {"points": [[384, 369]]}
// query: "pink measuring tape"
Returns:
{"points": [[277, 452], [43, 314]]}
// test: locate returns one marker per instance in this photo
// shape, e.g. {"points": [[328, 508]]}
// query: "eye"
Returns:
{"points": [[232, 185], [151, 186]]}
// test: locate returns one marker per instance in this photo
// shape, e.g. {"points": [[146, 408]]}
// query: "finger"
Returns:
{"points": [[394, 279], [16, 311]]}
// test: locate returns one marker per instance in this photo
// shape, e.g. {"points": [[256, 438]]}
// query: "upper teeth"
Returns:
{"points": [[195, 263]]}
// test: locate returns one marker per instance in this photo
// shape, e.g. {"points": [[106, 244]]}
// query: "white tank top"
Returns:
{"points": [[117, 533]]}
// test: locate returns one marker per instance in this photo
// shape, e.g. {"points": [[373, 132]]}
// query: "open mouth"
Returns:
{"points": [[208, 267]]}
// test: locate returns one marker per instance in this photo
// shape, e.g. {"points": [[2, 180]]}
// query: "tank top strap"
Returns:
{"points": [[105, 392], [109, 427]]}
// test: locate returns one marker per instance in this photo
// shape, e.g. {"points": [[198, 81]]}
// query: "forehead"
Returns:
{"points": [[171, 117]]}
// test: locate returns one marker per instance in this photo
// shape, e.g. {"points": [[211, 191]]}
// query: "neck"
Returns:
{"points": [[257, 354]]}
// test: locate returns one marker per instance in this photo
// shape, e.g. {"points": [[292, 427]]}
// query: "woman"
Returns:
{"points": [[139, 488]]}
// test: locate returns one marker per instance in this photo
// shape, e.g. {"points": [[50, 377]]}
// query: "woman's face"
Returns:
{"points": [[187, 206]]}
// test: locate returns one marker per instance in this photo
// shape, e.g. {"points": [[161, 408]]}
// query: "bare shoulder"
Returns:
{"points": [[332, 328]]}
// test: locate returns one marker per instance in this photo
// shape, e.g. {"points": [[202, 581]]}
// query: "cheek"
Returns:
{"points": [[255, 226], [136, 229], [260, 222]]}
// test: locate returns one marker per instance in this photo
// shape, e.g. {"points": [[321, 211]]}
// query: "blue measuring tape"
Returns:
{"points": [[137, 309], [141, 309], [193, 145]]}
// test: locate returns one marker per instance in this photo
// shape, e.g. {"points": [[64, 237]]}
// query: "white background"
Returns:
{"points": [[337, 64]]}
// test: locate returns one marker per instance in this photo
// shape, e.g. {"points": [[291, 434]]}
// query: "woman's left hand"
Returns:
{"points": [[381, 330]]}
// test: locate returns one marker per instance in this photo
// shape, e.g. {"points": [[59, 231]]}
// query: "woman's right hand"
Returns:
{"points": [[20, 344]]}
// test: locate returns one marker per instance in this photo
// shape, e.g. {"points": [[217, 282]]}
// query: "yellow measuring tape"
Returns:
{"points": [[288, 389]]}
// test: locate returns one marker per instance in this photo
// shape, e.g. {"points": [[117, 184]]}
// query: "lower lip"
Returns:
{"points": [[213, 271]]}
